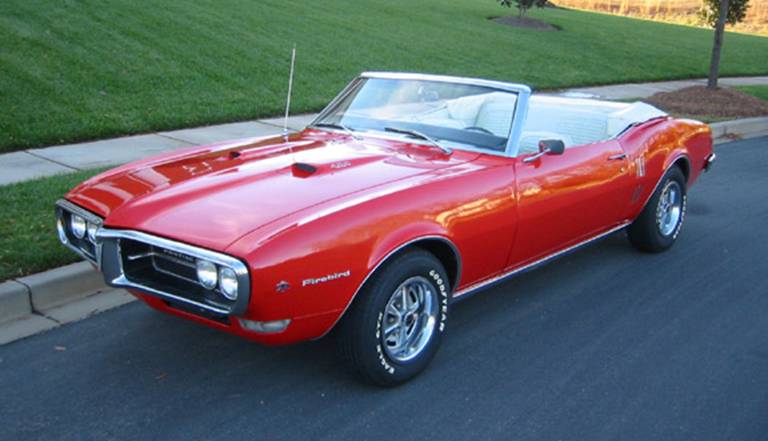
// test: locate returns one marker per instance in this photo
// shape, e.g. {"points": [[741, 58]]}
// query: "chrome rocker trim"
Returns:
{"points": [[709, 160], [480, 286], [112, 268]]}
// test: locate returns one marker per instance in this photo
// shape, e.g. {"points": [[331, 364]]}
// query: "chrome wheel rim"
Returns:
{"points": [[409, 319], [670, 208]]}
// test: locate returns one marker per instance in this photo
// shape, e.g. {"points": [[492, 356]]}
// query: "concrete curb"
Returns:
{"points": [[739, 128], [43, 301], [14, 301], [62, 285]]}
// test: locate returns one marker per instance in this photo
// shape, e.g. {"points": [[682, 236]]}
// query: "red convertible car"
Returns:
{"points": [[406, 193]]}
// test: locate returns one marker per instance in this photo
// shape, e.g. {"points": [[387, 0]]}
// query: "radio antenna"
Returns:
{"points": [[290, 88]]}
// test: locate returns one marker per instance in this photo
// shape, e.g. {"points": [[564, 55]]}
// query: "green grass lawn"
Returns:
{"points": [[28, 240], [77, 70], [757, 91]]}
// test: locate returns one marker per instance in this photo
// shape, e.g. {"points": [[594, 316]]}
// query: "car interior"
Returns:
{"points": [[573, 121]]}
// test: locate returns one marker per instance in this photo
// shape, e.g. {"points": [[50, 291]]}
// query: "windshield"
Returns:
{"points": [[453, 114]]}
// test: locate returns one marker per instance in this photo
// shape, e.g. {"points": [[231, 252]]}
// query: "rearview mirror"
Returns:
{"points": [[547, 147], [551, 146]]}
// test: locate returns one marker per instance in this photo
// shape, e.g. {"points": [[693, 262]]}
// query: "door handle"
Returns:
{"points": [[617, 156]]}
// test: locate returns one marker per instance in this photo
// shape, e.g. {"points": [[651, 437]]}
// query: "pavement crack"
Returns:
{"points": [[51, 160], [45, 316], [175, 139]]}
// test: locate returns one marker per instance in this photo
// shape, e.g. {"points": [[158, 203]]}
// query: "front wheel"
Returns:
{"points": [[658, 225], [393, 328]]}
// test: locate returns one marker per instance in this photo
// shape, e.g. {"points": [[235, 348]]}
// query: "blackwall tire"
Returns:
{"points": [[394, 326], [660, 222]]}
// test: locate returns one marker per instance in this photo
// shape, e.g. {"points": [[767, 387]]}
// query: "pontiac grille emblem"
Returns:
{"points": [[282, 286]]}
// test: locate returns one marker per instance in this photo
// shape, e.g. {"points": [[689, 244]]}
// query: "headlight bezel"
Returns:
{"points": [[78, 225], [80, 244], [115, 274], [228, 283], [207, 274]]}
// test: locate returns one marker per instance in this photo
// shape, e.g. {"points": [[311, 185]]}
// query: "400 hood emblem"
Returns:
{"points": [[327, 278]]}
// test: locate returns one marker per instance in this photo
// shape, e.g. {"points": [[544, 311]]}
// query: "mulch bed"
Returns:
{"points": [[698, 100], [526, 22]]}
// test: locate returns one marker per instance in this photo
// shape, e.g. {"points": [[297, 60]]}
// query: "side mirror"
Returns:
{"points": [[547, 147], [551, 146]]}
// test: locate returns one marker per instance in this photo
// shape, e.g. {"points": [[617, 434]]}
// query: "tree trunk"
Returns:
{"points": [[714, 66]]}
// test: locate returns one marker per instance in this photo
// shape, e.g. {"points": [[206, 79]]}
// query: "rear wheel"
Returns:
{"points": [[393, 328], [659, 224]]}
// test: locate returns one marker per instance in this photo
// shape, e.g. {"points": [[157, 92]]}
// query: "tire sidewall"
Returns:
{"points": [[383, 369], [673, 175]]}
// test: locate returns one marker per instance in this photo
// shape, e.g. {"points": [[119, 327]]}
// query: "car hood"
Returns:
{"points": [[211, 196]]}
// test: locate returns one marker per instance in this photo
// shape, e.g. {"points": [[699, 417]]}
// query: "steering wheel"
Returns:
{"points": [[479, 129]]}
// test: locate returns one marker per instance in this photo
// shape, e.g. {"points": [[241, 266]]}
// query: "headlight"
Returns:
{"points": [[206, 274], [228, 283], [77, 224], [92, 229], [60, 229]]}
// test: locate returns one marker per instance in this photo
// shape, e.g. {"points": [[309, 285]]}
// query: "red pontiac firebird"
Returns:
{"points": [[406, 193]]}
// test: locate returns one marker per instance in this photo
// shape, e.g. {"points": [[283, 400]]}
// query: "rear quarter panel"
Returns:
{"points": [[652, 148]]}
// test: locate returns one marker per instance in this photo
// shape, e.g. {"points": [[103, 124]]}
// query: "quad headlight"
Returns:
{"points": [[62, 231], [92, 229], [207, 274], [78, 226], [228, 283], [210, 276]]}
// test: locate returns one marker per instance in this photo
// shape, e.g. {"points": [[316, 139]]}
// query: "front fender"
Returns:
{"points": [[316, 268]]}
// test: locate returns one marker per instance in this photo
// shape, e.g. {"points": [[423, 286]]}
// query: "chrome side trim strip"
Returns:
{"points": [[502, 277], [114, 275], [709, 160], [385, 258]]}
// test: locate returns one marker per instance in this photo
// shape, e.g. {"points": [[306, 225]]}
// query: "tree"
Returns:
{"points": [[523, 5], [717, 13]]}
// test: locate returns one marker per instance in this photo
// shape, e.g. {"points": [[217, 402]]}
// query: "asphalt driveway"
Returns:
{"points": [[604, 344]]}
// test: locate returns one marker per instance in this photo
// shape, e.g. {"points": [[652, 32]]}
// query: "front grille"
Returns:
{"points": [[168, 271], [154, 265]]}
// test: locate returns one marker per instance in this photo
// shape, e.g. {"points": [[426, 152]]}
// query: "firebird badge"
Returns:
{"points": [[327, 278], [282, 286]]}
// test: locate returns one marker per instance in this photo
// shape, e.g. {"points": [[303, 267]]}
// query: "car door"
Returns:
{"points": [[567, 198]]}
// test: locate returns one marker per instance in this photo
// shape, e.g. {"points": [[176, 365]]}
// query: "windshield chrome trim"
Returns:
{"points": [[522, 91], [511, 87]]}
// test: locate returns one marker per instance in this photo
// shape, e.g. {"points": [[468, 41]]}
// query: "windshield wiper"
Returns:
{"points": [[337, 126], [419, 135]]}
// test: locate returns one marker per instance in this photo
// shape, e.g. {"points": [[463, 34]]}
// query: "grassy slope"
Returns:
{"points": [[758, 91], [75, 70], [28, 240]]}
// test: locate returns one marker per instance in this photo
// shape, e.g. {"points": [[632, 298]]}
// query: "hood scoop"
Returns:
{"points": [[303, 170]]}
